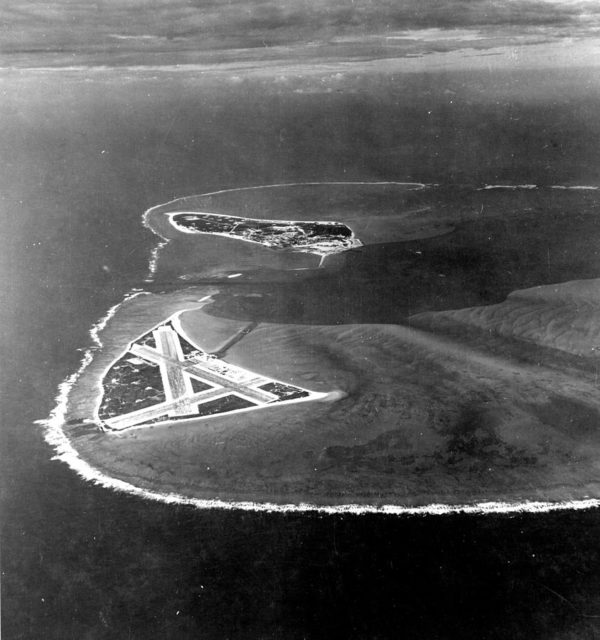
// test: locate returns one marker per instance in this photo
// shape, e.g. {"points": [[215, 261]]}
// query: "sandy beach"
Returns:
{"points": [[413, 414]]}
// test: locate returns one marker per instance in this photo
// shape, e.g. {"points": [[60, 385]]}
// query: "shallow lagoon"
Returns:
{"points": [[79, 559]]}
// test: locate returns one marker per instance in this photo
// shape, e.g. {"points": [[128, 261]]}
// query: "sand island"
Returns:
{"points": [[445, 351]]}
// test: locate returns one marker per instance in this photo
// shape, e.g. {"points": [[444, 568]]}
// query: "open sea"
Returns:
{"points": [[83, 153]]}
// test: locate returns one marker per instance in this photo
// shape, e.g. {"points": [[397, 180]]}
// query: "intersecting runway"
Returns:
{"points": [[218, 378]]}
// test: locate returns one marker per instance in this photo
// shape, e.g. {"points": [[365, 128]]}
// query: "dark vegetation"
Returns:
{"points": [[284, 391], [129, 386], [82, 562], [480, 263], [279, 234], [230, 402], [147, 341], [188, 349], [198, 385]]}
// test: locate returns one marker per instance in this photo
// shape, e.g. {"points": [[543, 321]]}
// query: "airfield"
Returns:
{"points": [[449, 357]]}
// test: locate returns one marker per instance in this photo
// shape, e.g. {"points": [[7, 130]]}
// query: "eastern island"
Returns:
{"points": [[370, 345]]}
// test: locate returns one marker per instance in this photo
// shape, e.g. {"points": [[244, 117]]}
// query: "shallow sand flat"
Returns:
{"points": [[134, 318], [201, 256], [408, 417], [563, 316], [375, 212], [211, 336], [502, 240], [411, 419]]}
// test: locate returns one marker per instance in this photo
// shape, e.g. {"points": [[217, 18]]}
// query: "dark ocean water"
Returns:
{"points": [[83, 155]]}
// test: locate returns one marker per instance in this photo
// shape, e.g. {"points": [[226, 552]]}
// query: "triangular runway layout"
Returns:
{"points": [[162, 377]]}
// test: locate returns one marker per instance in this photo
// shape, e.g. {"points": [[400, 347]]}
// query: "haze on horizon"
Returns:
{"points": [[150, 32]]}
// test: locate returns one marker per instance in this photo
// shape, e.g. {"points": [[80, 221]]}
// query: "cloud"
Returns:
{"points": [[220, 24]]}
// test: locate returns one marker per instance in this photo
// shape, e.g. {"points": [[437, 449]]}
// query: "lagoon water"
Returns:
{"points": [[84, 154]]}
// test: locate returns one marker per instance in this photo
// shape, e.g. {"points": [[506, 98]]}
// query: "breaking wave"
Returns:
{"points": [[56, 437]]}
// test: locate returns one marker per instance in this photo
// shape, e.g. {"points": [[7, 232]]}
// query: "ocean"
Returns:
{"points": [[84, 154]]}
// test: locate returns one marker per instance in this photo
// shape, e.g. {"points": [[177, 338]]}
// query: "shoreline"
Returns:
{"points": [[58, 436], [355, 242]]}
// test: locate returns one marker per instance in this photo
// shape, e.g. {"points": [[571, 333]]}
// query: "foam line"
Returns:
{"points": [[54, 423], [65, 452], [153, 262], [514, 187], [581, 187], [155, 254], [511, 187], [412, 185], [101, 324]]}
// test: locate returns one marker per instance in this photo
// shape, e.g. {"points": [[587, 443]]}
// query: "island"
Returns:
{"points": [[443, 355], [321, 238]]}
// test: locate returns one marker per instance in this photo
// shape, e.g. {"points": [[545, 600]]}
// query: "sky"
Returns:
{"points": [[146, 28]]}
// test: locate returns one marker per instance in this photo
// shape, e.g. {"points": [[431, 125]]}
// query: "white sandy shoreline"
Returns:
{"points": [[56, 436]]}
